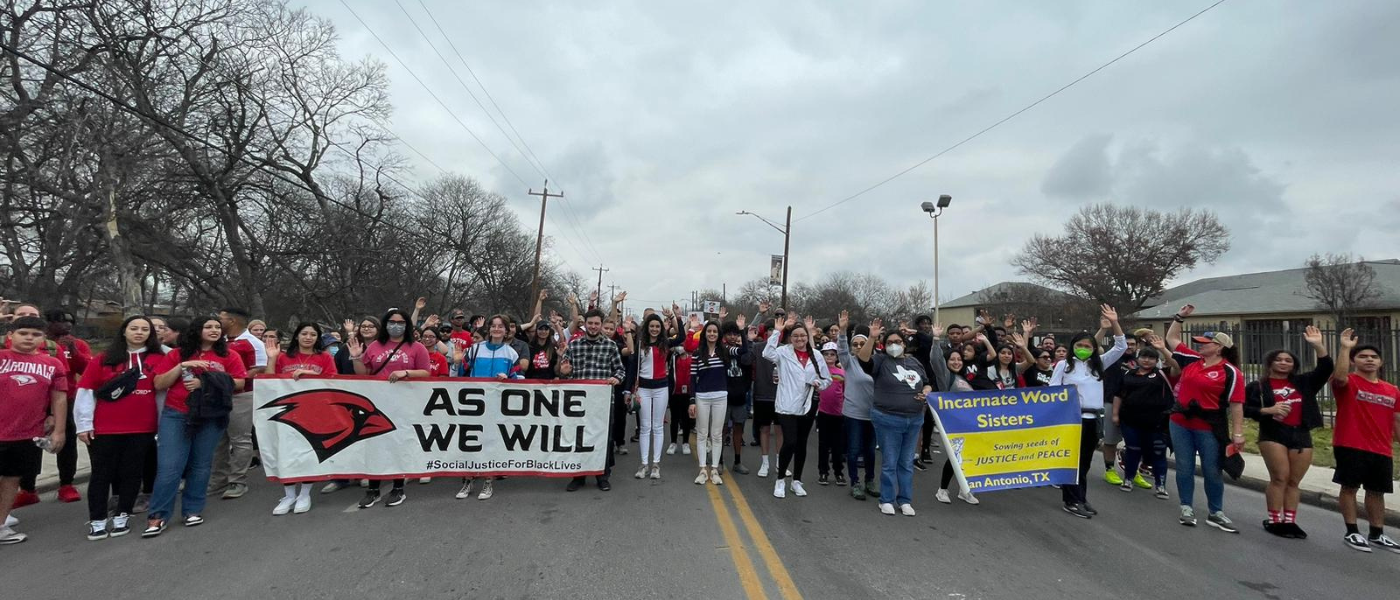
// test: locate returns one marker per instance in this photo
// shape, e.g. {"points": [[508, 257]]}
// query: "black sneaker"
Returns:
{"points": [[1296, 532], [1089, 508], [1078, 511], [604, 485], [97, 531], [840, 480], [396, 497], [920, 465], [371, 497], [1356, 542], [1278, 529], [822, 480], [574, 484], [1383, 541]]}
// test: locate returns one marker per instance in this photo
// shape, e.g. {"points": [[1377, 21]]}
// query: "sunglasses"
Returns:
{"points": [[458, 317]]}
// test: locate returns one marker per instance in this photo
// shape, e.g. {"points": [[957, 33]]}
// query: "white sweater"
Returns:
{"points": [[795, 380], [1090, 387]]}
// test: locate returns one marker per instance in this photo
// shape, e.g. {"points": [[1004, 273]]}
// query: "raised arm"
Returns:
{"points": [[1315, 379], [1342, 370], [539, 302], [1174, 331], [418, 306], [876, 328], [1120, 342], [1020, 341], [1169, 363]]}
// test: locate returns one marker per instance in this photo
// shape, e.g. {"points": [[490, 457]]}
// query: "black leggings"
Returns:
{"points": [[681, 423], [795, 428], [927, 433], [375, 484], [947, 474], [1088, 442], [117, 462], [831, 443]]}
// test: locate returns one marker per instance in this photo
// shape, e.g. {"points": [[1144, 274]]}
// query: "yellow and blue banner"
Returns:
{"points": [[1007, 439]]}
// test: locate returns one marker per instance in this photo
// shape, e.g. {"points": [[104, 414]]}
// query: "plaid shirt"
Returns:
{"points": [[595, 359]]}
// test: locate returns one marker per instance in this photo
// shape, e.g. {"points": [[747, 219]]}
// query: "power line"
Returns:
{"points": [[569, 215], [1011, 116]]}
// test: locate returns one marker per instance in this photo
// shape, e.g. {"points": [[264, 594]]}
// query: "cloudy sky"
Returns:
{"points": [[660, 120]]}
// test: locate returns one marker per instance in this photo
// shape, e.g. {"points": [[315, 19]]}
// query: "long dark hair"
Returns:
{"points": [[645, 341], [409, 335], [116, 352], [191, 341], [294, 346], [1273, 355], [1232, 356], [1095, 362], [702, 353], [548, 345]]}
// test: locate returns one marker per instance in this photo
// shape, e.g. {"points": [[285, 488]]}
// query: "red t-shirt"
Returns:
{"points": [[439, 364], [244, 349], [176, 396], [1365, 414], [26, 384], [381, 364], [460, 340], [1285, 393], [1206, 385], [136, 412], [320, 363], [75, 360]]}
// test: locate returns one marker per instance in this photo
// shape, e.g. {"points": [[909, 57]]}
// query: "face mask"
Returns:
{"points": [[333, 350], [894, 350], [396, 329], [1083, 353]]}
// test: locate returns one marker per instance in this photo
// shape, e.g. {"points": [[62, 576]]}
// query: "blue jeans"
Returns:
{"points": [[1140, 440], [1188, 443], [860, 443], [176, 450], [899, 437]]}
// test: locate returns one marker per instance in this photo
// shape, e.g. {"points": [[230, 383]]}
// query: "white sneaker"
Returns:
{"points": [[967, 497], [702, 478], [685, 448], [887, 508], [10, 521], [487, 490], [797, 489], [364, 483], [907, 509], [714, 477], [942, 496], [780, 490], [284, 506], [642, 472], [671, 449], [425, 480], [303, 505], [466, 491], [1384, 541], [656, 470], [763, 467]]}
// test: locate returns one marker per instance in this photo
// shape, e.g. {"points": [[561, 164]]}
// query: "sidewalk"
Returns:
{"points": [[48, 477], [1316, 488]]}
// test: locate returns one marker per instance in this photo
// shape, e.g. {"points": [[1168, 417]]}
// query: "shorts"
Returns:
{"points": [[1292, 438], [763, 412], [737, 415], [1111, 433], [1359, 468], [20, 459]]}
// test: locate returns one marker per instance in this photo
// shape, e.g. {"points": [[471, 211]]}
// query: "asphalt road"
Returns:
{"points": [[673, 539]]}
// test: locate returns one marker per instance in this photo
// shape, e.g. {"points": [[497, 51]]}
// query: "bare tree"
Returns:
{"points": [[1123, 255], [1054, 309], [1341, 285]]}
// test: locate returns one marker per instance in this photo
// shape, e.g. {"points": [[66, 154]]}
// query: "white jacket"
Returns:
{"points": [[795, 381]]}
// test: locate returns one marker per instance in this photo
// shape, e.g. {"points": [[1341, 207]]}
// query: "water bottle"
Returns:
{"points": [[44, 444], [186, 374]]}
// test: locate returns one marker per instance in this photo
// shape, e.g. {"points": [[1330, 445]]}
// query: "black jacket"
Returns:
{"points": [[212, 400], [1258, 397]]}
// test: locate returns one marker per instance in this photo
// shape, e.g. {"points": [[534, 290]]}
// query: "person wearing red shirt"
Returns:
{"points": [[305, 356], [429, 337], [461, 338], [76, 354], [1209, 413], [32, 385], [118, 432], [1284, 402], [394, 356], [185, 450], [1367, 424]]}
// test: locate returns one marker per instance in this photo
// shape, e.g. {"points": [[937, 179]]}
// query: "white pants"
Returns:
{"points": [[653, 410], [709, 429]]}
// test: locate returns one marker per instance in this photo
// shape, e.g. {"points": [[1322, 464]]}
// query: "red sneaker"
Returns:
{"points": [[69, 493], [25, 499]]}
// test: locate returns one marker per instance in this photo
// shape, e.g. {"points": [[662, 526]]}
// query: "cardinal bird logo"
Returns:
{"points": [[331, 420]]}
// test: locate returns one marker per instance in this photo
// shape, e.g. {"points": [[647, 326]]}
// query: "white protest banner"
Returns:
{"points": [[360, 427]]}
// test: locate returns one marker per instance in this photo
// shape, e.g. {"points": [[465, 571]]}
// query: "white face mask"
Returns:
{"points": [[894, 350]]}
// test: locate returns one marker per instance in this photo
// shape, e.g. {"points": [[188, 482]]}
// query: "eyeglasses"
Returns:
{"points": [[458, 317], [366, 326]]}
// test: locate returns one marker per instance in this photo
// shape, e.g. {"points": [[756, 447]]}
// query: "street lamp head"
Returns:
{"points": [[943, 201], [927, 206]]}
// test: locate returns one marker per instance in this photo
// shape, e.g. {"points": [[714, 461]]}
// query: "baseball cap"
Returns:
{"points": [[1218, 337], [829, 347], [1142, 332]]}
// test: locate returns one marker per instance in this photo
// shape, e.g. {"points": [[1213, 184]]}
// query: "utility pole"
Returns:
{"points": [[787, 245], [600, 271], [612, 293], [539, 240]]}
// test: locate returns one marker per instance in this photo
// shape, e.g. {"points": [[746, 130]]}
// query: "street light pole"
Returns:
{"points": [[787, 246], [934, 211]]}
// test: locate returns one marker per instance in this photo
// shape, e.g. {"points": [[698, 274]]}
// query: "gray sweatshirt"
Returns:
{"points": [[860, 388]]}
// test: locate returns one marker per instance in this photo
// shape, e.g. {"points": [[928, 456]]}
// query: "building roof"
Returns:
{"points": [[979, 297], [1270, 292]]}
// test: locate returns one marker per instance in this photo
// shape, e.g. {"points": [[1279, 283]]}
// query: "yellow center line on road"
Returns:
{"points": [[748, 576], [765, 548]]}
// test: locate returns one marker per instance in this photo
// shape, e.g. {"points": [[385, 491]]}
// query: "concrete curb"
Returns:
{"points": [[1320, 499]]}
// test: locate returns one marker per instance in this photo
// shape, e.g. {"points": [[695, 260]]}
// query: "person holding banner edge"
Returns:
{"points": [[897, 412], [305, 355], [594, 356], [951, 375], [394, 356], [1084, 370]]}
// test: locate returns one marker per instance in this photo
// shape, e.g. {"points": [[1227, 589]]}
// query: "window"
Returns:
{"points": [[1262, 336]]}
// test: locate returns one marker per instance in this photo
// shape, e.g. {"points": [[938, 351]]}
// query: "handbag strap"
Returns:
{"points": [[389, 358]]}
